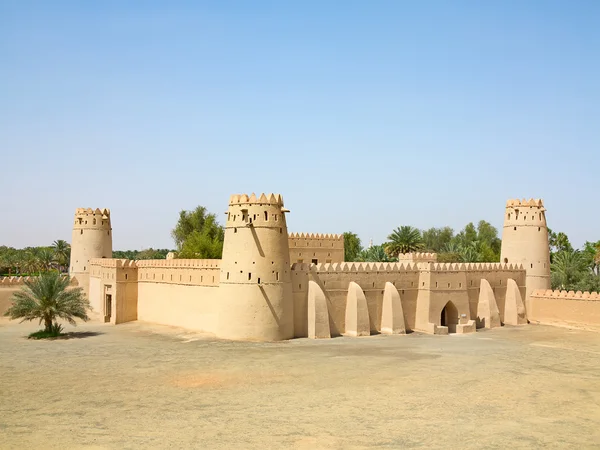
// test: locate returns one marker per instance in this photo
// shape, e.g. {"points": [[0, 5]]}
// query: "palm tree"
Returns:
{"points": [[30, 263], [45, 258], [405, 239], [374, 254], [49, 298], [567, 268], [62, 253]]}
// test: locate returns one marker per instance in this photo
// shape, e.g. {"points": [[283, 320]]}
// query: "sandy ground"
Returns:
{"points": [[146, 386]]}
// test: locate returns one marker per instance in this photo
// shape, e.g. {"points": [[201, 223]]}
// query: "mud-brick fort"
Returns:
{"points": [[271, 285]]}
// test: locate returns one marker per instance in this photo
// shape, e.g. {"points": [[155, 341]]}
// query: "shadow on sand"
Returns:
{"points": [[70, 335]]}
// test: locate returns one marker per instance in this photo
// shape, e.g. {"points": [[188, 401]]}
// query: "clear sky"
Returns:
{"points": [[364, 115]]}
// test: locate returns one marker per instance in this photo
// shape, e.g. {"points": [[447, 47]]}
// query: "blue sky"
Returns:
{"points": [[364, 115]]}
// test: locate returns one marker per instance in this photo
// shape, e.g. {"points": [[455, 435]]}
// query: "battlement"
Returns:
{"points": [[113, 262], [336, 237], [355, 267], [264, 199], [417, 256], [90, 211], [468, 267], [179, 263], [405, 266], [566, 295], [17, 281], [515, 203], [14, 281]]}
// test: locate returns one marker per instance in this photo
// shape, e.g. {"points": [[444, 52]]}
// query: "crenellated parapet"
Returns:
{"points": [[354, 267], [334, 237], [252, 199], [20, 281], [179, 263], [14, 281], [86, 218], [418, 257], [566, 295], [513, 203], [113, 262]]}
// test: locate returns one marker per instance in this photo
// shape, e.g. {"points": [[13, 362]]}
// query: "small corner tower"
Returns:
{"points": [[525, 241], [255, 286], [92, 238]]}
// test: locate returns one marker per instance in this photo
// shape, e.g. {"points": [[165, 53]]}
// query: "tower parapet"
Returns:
{"points": [[525, 241], [255, 282], [91, 238]]}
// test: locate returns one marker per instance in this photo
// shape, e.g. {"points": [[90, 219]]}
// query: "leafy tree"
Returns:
{"points": [[352, 246], [434, 239], [376, 253], [405, 239], [591, 254], [49, 298], [558, 242], [198, 235]]}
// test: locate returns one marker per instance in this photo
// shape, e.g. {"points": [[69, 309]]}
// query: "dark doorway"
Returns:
{"points": [[107, 307], [449, 317], [315, 261]]}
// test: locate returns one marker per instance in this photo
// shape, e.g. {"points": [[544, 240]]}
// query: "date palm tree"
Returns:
{"points": [[374, 254], [62, 253], [49, 298], [45, 258], [567, 268], [405, 239]]}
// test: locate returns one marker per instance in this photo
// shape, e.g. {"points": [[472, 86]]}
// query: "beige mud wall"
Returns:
{"points": [[464, 280], [316, 248], [179, 292], [334, 279], [576, 309], [117, 277], [497, 275]]}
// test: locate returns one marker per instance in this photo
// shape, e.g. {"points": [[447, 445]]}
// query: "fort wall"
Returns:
{"points": [[179, 292], [113, 290], [574, 309], [459, 283], [316, 248]]}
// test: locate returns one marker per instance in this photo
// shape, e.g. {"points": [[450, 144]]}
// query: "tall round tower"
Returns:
{"points": [[255, 287], [92, 238], [525, 241]]}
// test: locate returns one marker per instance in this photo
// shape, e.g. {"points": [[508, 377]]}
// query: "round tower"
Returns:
{"points": [[525, 241], [92, 238], [255, 287]]}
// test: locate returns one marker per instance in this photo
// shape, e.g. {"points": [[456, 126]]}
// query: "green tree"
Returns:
{"points": [[45, 258], [434, 239], [558, 242], [49, 298], [62, 254], [352, 246], [198, 235], [567, 269], [375, 253], [405, 239]]}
